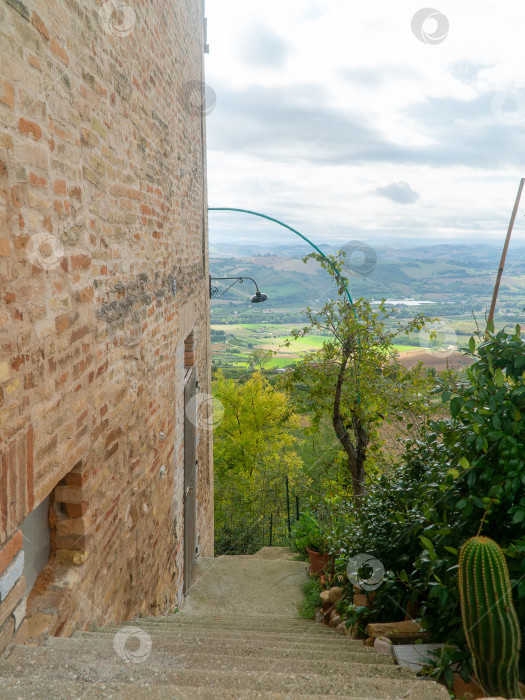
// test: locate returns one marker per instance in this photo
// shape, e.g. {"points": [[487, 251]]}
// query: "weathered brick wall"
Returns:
{"points": [[103, 275]]}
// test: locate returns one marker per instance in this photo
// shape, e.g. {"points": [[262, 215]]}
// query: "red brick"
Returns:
{"points": [[59, 187], [37, 181], [85, 295], [5, 248], [9, 550], [75, 192], [59, 51], [7, 93], [79, 333], [80, 262], [17, 362], [34, 62], [27, 127], [38, 23]]}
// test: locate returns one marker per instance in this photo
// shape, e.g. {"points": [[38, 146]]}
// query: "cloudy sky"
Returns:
{"points": [[375, 121]]}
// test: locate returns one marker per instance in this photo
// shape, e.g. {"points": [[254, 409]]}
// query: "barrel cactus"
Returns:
{"points": [[489, 618]]}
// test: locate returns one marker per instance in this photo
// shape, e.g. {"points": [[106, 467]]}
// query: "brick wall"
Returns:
{"points": [[103, 277]]}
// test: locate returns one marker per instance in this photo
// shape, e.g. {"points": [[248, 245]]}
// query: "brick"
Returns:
{"points": [[37, 181], [11, 575], [59, 187], [76, 526], [28, 127], [79, 333], [69, 494], [12, 600], [19, 613], [39, 24], [4, 371], [80, 262], [9, 550], [5, 248], [7, 93], [59, 51], [67, 556], [6, 633], [40, 625]]}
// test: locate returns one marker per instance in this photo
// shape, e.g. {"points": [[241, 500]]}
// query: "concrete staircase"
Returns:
{"points": [[233, 650]]}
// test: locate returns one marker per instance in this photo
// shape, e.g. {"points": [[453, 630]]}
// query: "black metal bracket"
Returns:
{"points": [[214, 290]]}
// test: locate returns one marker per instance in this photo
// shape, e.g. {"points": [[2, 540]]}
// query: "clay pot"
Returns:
{"points": [[466, 690], [364, 599], [318, 562], [412, 610]]}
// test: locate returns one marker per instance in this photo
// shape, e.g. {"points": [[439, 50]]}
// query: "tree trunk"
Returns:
{"points": [[356, 454]]}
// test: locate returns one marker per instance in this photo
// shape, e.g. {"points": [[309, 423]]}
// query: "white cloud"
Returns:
{"points": [[320, 104]]}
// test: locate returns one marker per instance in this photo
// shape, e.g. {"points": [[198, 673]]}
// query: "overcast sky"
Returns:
{"points": [[364, 121]]}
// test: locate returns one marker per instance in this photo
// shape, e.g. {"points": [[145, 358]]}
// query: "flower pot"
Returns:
{"points": [[467, 690], [364, 599], [318, 562]]}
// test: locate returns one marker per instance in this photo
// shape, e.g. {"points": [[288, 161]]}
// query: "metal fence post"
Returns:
{"points": [[288, 508], [271, 528], [297, 507]]}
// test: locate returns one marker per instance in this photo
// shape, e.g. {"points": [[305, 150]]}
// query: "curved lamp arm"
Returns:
{"points": [[281, 223]]}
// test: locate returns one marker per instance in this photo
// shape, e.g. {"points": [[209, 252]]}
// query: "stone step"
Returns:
{"points": [[233, 623], [330, 638], [20, 689], [232, 647], [257, 641], [81, 658], [266, 679]]}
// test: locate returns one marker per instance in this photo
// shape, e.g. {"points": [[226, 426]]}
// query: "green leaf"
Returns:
{"points": [[499, 379], [463, 462], [472, 344], [427, 544], [453, 472], [452, 550], [455, 406]]}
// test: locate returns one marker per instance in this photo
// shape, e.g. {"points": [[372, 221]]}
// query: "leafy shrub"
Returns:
{"points": [[467, 475]]}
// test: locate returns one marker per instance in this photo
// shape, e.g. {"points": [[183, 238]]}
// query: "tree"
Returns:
{"points": [[258, 358], [254, 450], [355, 378]]}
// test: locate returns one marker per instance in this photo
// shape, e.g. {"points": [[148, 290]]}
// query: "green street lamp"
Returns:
{"points": [[281, 223]]}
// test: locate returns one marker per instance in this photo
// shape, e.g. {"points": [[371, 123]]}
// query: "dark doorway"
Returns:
{"points": [[190, 473]]}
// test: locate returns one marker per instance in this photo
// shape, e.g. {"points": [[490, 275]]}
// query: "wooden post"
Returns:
{"points": [[504, 254]]}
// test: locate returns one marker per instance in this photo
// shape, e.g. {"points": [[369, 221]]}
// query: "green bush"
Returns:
{"points": [[467, 475]]}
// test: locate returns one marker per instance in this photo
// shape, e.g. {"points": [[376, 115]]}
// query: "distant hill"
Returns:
{"points": [[464, 274]]}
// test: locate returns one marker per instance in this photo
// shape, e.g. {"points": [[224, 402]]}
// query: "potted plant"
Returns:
{"points": [[310, 537]]}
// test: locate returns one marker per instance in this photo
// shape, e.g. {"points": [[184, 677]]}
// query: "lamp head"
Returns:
{"points": [[258, 297]]}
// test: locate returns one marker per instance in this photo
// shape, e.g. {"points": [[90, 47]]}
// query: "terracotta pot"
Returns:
{"points": [[466, 690], [364, 598], [412, 610], [318, 562]]}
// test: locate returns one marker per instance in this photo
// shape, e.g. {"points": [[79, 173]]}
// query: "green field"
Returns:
{"points": [[234, 347]]}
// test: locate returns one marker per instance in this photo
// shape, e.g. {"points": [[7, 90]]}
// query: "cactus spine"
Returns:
{"points": [[489, 618]]}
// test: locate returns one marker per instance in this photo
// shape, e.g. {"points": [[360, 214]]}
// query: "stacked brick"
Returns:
{"points": [[103, 276]]}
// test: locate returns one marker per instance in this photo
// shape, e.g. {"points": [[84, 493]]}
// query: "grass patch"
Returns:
{"points": [[311, 590]]}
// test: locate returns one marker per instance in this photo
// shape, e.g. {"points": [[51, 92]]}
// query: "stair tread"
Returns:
{"points": [[60, 690], [81, 658], [151, 671]]}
